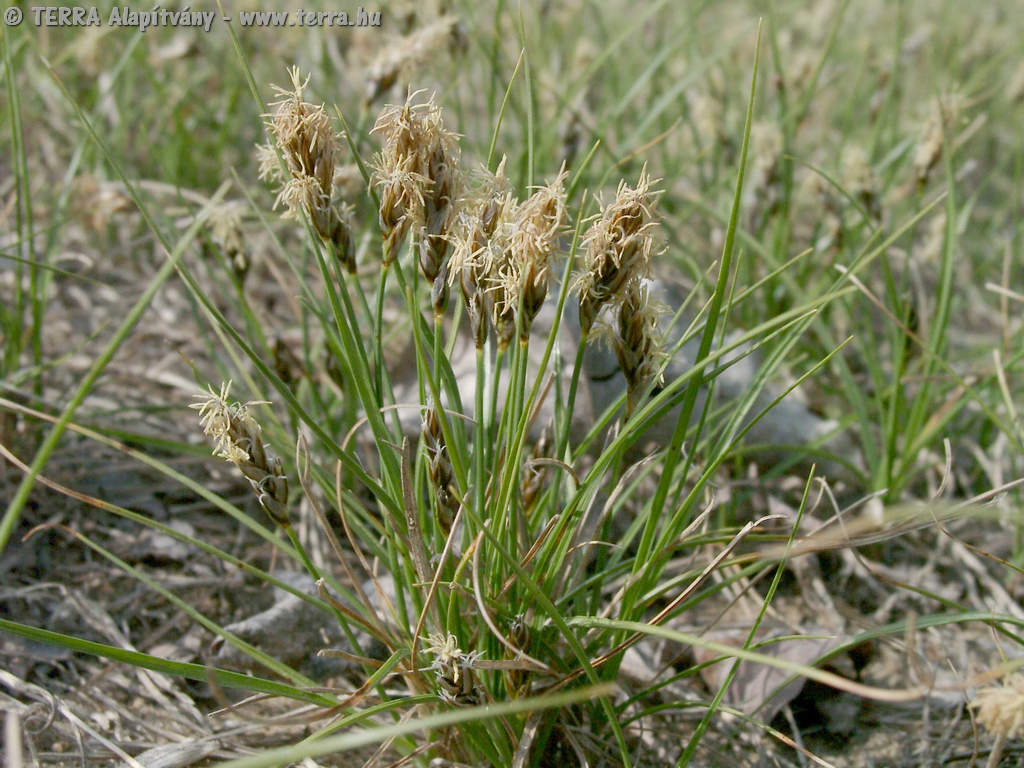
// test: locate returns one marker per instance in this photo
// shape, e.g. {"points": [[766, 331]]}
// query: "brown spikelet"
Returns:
{"points": [[500, 288], [439, 291], [474, 243], [405, 54], [534, 239], [618, 249], [226, 229], [287, 365], [439, 468], [942, 116], [401, 196], [454, 670], [572, 130], [860, 180], [503, 318], [416, 174], [766, 190], [309, 147], [638, 343], [438, 212], [519, 635], [534, 474], [237, 439]]}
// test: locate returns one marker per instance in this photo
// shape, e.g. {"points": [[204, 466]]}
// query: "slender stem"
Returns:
{"points": [[494, 382], [570, 404], [307, 562], [421, 329], [438, 352], [506, 443], [479, 435], [516, 439], [379, 326]]}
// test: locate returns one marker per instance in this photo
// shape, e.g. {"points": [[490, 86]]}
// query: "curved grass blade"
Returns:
{"points": [[349, 741], [183, 669]]}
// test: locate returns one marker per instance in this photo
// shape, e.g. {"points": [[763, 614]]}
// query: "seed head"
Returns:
{"points": [[534, 238], [445, 650], [638, 344], [401, 197], [618, 249], [438, 210], [226, 228], [766, 146], [309, 146], [1001, 708], [269, 164], [942, 115], [237, 439], [454, 669], [407, 53], [519, 635], [706, 111], [472, 257], [416, 175], [439, 468], [303, 133], [860, 180], [287, 365]]}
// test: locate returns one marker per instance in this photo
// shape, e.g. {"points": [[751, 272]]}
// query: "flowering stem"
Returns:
{"points": [[494, 382], [570, 404], [306, 561], [420, 328], [479, 435], [379, 326], [502, 441], [436, 371], [516, 439]]}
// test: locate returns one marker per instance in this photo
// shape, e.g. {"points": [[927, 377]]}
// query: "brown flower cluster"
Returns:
{"points": [[618, 249], [416, 175], [502, 254], [538, 224], [616, 264], [478, 239], [237, 439], [439, 468], [403, 55], [638, 343], [309, 148]]}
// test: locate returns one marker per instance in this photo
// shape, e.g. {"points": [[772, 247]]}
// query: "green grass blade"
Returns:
{"points": [[690, 398], [348, 741], [183, 669]]}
